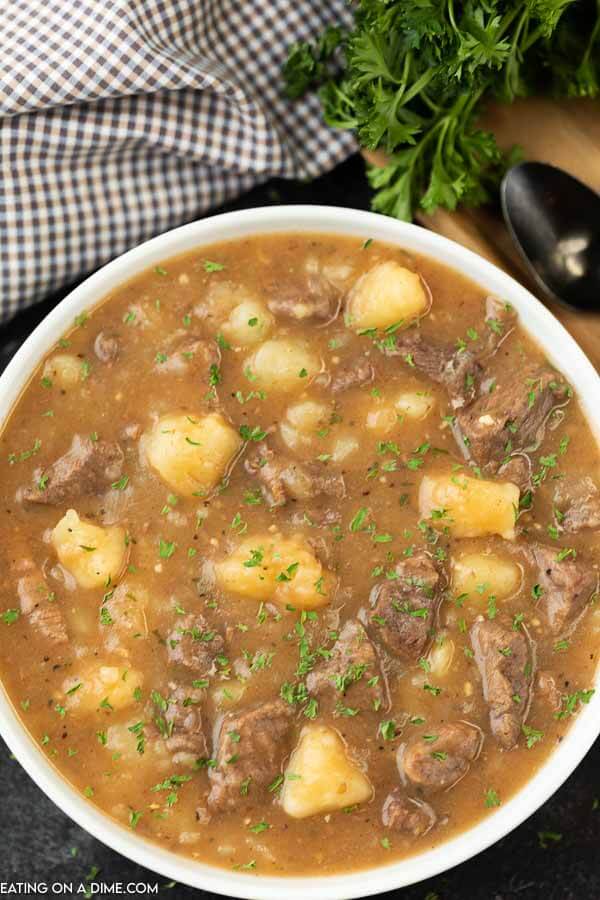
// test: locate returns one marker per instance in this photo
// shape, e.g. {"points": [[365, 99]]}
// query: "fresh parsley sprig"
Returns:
{"points": [[411, 77]]}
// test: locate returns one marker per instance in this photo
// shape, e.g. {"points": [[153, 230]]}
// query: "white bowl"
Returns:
{"points": [[561, 350]]}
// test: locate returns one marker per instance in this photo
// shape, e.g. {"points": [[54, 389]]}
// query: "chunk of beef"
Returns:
{"points": [[324, 548], [319, 518], [39, 605], [86, 468], [283, 479], [123, 616], [404, 610], [459, 371], [578, 501], [183, 718], [311, 296], [106, 347], [500, 320], [252, 745], [511, 418], [188, 355], [352, 668], [517, 469], [566, 586], [411, 817], [359, 373], [504, 661], [440, 764], [193, 644]]}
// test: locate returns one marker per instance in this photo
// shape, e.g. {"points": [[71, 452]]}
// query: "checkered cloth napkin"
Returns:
{"points": [[120, 119]]}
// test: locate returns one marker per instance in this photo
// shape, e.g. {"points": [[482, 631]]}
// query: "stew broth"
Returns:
{"points": [[282, 472]]}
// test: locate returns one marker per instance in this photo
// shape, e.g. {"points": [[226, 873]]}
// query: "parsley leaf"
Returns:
{"points": [[412, 75]]}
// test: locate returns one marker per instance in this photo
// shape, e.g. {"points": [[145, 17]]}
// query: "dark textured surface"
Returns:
{"points": [[40, 843]]}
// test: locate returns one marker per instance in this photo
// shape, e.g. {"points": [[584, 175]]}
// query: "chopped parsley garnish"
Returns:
{"points": [[10, 616], [252, 434], [166, 549], [255, 559], [532, 736], [387, 729], [570, 703], [491, 798]]}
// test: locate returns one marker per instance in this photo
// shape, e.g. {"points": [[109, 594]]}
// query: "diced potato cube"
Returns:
{"points": [[192, 453], [249, 323], [124, 742], [384, 414], [320, 777], [293, 438], [98, 686], [338, 273], [470, 507], [343, 447], [284, 570], [221, 298], [308, 415], [335, 270], [484, 573], [385, 295], [64, 370], [382, 419], [414, 404], [283, 365], [302, 421], [95, 556]]}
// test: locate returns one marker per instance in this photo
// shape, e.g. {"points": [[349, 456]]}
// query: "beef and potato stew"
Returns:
{"points": [[300, 554]]}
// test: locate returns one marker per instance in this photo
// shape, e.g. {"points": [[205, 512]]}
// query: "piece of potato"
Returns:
{"points": [[320, 777], [283, 365], [95, 556], [470, 507], [385, 295], [292, 438], [96, 685], [344, 446], [192, 453], [221, 299], [384, 414], [414, 404], [440, 656], [122, 742], [382, 419], [337, 271], [302, 421], [64, 370], [269, 567], [249, 323], [308, 416], [484, 573]]}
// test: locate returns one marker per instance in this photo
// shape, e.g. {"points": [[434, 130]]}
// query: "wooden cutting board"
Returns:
{"points": [[566, 134]]}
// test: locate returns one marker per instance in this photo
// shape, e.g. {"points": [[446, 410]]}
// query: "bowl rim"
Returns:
{"points": [[561, 350]]}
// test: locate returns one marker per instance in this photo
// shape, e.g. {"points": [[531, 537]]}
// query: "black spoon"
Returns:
{"points": [[554, 221]]}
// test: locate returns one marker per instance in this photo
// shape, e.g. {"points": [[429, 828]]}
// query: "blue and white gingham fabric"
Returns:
{"points": [[120, 119]]}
